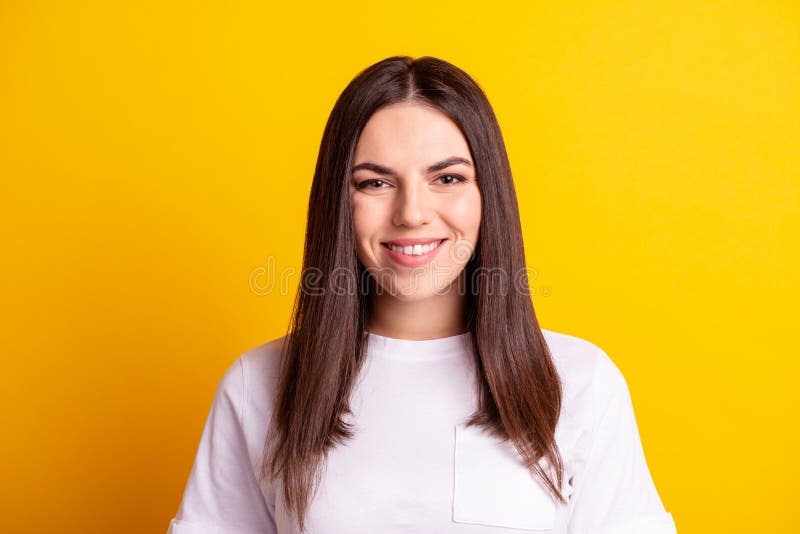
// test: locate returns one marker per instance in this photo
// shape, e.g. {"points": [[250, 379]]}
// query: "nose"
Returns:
{"points": [[413, 205]]}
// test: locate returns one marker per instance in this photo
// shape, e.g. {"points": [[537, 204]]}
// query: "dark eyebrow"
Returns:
{"points": [[380, 169]]}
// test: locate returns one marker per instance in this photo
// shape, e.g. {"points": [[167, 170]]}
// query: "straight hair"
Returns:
{"points": [[519, 390]]}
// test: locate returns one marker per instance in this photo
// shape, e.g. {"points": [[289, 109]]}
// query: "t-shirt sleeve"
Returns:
{"points": [[222, 494], [614, 492]]}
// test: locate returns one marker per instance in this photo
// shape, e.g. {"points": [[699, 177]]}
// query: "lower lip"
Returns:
{"points": [[412, 261]]}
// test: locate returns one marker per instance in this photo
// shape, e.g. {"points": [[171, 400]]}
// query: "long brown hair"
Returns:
{"points": [[519, 387]]}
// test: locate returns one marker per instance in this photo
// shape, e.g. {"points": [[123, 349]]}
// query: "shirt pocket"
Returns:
{"points": [[493, 487]]}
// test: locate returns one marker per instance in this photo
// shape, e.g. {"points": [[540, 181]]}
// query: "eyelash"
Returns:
{"points": [[363, 184]]}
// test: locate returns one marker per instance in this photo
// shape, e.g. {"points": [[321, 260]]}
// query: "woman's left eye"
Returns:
{"points": [[456, 178]]}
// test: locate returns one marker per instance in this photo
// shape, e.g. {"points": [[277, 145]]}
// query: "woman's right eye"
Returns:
{"points": [[374, 181]]}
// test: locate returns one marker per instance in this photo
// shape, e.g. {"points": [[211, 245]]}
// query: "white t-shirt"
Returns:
{"points": [[413, 467]]}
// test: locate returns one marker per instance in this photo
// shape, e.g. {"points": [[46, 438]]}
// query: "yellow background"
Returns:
{"points": [[156, 156]]}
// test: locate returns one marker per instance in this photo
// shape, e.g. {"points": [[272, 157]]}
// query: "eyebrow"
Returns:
{"points": [[387, 171]]}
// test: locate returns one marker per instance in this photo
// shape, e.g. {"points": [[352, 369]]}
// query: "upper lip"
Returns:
{"points": [[411, 241]]}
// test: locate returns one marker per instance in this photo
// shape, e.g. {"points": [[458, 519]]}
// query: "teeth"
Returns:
{"points": [[415, 250]]}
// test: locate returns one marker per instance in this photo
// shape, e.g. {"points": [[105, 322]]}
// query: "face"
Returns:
{"points": [[415, 201]]}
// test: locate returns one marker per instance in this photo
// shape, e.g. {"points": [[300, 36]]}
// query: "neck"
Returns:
{"points": [[437, 316]]}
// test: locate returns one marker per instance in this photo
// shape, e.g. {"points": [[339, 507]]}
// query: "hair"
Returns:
{"points": [[519, 389]]}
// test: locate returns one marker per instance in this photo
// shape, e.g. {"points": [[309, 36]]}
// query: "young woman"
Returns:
{"points": [[414, 391]]}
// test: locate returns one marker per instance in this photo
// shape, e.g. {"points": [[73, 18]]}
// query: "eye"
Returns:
{"points": [[456, 178], [366, 184]]}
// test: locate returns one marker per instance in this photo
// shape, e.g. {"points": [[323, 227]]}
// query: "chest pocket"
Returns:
{"points": [[493, 487]]}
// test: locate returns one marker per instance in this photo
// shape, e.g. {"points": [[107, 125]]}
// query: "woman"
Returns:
{"points": [[414, 390]]}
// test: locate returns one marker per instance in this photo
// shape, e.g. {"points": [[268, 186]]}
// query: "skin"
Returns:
{"points": [[415, 302]]}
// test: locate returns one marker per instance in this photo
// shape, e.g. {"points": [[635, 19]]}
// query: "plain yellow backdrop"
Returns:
{"points": [[156, 160]]}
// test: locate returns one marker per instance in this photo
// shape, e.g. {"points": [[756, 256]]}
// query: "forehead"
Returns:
{"points": [[411, 134]]}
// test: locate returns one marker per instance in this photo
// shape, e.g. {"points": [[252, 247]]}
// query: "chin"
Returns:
{"points": [[406, 293], [415, 296]]}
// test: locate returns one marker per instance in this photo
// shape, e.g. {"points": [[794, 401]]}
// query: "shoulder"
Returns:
{"points": [[589, 376], [263, 361], [250, 381]]}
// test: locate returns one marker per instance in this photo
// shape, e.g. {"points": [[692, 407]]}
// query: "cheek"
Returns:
{"points": [[366, 218], [464, 213]]}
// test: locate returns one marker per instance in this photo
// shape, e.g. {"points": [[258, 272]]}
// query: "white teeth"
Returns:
{"points": [[415, 250]]}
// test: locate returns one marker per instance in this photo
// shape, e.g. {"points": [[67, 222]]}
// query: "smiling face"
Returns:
{"points": [[413, 187]]}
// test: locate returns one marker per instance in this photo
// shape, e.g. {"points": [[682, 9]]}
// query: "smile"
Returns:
{"points": [[414, 250]]}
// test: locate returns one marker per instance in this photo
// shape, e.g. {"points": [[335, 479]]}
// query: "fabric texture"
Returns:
{"points": [[414, 466]]}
